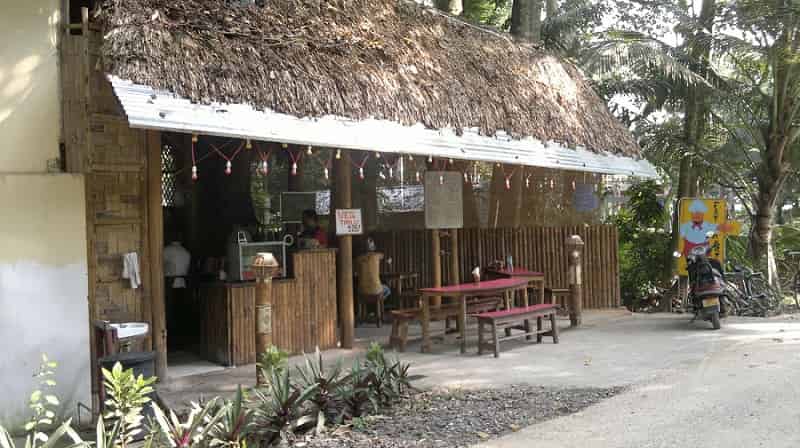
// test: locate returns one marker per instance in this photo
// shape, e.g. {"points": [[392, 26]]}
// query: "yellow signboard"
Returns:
{"points": [[699, 218]]}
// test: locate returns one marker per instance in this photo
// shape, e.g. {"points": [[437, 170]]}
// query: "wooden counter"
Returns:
{"points": [[303, 312]]}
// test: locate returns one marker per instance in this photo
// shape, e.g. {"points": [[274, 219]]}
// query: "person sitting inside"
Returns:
{"points": [[312, 236]]}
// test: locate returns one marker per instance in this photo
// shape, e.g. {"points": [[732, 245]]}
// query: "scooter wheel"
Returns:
{"points": [[715, 321]]}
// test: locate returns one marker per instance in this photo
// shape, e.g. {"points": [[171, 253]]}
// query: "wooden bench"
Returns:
{"points": [[446, 312], [509, 318]]}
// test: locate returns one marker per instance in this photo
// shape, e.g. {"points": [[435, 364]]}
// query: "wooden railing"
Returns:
{"points": [[535, 248]]}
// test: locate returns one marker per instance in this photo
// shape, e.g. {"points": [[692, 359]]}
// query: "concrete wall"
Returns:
{"points": [[30, 123], [43, 269], [43, 289]]}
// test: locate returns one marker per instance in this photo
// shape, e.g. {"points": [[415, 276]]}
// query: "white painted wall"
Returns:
{"points": [[43, 290]]}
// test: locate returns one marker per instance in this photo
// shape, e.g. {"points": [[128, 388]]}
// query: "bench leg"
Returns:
{"points": [[379, 312], [538, 330], [508, 331], [394, 339], [403, 335], [554, 328], [496, 340], [527, 325], [480, 337]]}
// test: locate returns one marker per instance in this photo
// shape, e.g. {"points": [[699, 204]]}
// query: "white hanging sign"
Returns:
{"points": [[348, 222]]}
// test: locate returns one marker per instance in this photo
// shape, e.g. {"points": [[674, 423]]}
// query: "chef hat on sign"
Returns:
{"points": [[698, 206]]}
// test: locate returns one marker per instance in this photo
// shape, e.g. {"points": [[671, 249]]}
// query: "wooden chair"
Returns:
{"points": [[370, 288]]}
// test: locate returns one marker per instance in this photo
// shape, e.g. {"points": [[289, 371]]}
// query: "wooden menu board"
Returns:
{"points": [[444, 208]]}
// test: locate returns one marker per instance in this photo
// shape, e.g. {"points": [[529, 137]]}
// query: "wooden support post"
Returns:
{"points": [[574, 248], [436, 266], [155, 216], [344, 257], [263, 311], [455, 274]]}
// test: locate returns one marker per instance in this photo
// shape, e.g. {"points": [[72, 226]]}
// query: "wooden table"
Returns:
{"points": [[462, 292], [530, 276]]}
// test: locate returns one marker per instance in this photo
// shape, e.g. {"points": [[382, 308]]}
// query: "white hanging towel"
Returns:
{"points": [[130, 269]]}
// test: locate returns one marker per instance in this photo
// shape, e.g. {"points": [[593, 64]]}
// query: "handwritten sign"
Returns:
{"points": [[444, 207], [348, 222]]}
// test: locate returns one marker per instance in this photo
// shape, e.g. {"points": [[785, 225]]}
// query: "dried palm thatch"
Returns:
{"points": [[383, 59]]}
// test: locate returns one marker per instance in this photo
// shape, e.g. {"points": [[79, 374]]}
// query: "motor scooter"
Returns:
{"points": [[706, 284]]}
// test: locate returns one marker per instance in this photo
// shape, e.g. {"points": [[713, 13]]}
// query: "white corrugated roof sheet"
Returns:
{"points": [[150, 109]]}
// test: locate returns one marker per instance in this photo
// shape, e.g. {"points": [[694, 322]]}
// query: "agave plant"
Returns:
{"points": [[279, 409], [355, 394], [325, 400], [62, 437], [235, 424], [191, 432]]}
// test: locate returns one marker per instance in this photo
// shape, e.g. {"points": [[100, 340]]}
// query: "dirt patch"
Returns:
{"points": [[459, 418]]}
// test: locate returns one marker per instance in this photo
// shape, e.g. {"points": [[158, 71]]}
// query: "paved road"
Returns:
{"points": [[742, 389]]}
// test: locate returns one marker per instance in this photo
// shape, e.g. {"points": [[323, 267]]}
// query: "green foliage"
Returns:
{"points": [[643, 244], [234, 426], [193, 431], [280, 407], [127, 395], [326, 403], [264, 417], [273, 358], [43, 404]]}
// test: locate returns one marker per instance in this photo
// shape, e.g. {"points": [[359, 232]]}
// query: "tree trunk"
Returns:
{"points": [[526, 19], [455, 7], [551, 8], [770, 184]]}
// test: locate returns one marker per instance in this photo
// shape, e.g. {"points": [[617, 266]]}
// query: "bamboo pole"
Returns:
{"points": [[344, 260], [436, 265], [155, 216], [455, 273]]}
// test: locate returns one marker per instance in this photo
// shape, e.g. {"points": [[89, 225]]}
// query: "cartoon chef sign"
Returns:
{"points": [[700, 218]]}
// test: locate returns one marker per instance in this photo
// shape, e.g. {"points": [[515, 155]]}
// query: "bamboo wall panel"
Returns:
{"points": [[228, 333], [304, 308], [535, 248]]}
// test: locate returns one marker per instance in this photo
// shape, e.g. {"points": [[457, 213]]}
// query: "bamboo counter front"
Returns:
{"points": [[303, 312]]}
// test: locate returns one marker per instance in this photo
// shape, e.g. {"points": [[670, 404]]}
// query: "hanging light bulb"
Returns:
{"points": [[573, 185], [410, 157], [430, 159], [391, 172], [497, 164], [264, 167], [194, 172], [248, 144], [466, 178], [377, 155], [361, 172], [441, 180], [338, 154], [284, 145], [381, 175], [326, 173], [228, 167], [294, 168], [450, 161], [508, 183], [528, 182], [417, 176], [308, 151], [552, 184], [194, 138]]}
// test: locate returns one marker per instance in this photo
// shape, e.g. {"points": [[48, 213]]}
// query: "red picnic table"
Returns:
{"points": [[462, 292], [530, 276]]}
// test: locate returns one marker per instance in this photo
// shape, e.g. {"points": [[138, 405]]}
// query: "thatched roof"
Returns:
{"points": [[383, 59]]}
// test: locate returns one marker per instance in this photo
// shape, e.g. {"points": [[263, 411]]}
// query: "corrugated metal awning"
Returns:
{"points": [[150, 109]]}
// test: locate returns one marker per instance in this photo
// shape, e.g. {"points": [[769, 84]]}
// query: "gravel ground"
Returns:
{"points": [[459, 418]]}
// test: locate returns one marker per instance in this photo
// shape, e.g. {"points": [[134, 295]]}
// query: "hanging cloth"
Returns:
{"points": [[130, 269]]}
